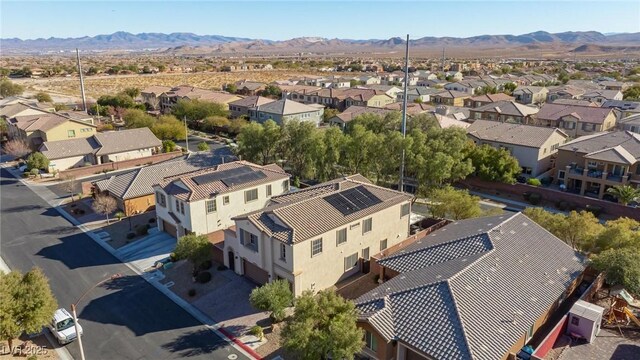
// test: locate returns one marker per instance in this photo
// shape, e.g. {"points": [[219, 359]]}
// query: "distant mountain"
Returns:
{"points": [[191, 43]]}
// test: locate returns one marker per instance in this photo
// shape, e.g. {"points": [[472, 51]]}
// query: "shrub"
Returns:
{"points": [[142, 229], [562, 205], [206, 265], [546, 181], [257, 331], [152, 220], [172, 257], [275, 297], [119, 215], [534, 182], [32, 357], [535, 198], [526, 195], [203, 277], [594, 209], [34, 172], [192, 292]]}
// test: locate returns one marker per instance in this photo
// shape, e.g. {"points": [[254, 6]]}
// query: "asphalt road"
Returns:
{"points": [[195, 140], [126, 318]]}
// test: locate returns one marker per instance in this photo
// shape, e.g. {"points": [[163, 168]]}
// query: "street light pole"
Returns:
{"points": [[75, 316], [186, 133]]}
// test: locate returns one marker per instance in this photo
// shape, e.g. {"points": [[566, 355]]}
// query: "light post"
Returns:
{"points": [[75, 316], [223, 156]]}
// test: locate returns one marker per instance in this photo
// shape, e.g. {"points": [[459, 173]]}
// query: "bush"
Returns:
{"points": [[526, 195], [535, 198], [257, 331], [203, 277], [34, 172], [172, 257], [119, 215], [131, 235], [142, 229], [534, 182], [562, 205], [152, 220], [546, 181], [594, 209], [192, 292], [206, 265]]}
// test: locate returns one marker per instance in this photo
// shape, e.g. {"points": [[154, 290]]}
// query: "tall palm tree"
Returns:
{"points": [[624, 193]]}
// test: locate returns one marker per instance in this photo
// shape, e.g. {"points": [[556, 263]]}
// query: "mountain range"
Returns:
{"points": [[192, 43]]}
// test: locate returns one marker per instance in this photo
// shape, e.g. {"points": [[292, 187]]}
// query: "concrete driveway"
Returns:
{"points": [[144, 253]]}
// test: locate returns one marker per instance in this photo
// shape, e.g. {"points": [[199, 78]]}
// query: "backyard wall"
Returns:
{"points": [[96, 169], [550, 195]]}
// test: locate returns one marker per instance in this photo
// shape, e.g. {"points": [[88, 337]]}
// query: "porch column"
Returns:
{"points": [[601, 192], [583, 187]]}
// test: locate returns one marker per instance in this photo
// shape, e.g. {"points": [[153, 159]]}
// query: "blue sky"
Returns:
{"points": [[342, 19]]}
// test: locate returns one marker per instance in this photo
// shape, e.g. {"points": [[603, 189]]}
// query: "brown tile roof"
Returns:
{"points": [[451, 94], [492, 97], [507, 108], [252, 101], [354, 111], [588, 114], [303, 215], [42, 122], [593, 144], [195, 192], [516, 134], [155, 89]]}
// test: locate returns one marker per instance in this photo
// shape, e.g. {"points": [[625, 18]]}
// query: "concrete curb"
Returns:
{"points": [[148, 277]]}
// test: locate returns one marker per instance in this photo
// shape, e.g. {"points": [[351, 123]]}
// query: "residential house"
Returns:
{"points": [[577, 102], [133, 190], [454, 75], [40, 128], [100, 148], [432, 83], [371, 98], [533, 146], [531, 94], [600, 96], [390, 90], [630, 123], [369, 80], [474, 289], [625, 107], [151, 96], [614, 85], [241, 107], [576, 120], [564, 92], [169, 98], [318, 236], [352, 112], [486, 99], [412, 108], [504, 111], [445, 122], [205, 201], [450, 97], [24, 108], [417, 94], [249, 88], [285, 109], [465, 87], [591, 164]]}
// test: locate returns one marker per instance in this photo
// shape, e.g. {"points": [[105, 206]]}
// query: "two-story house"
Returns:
{"points": [[486, 99], [320, 235], [40, 128], [450, 97], [241, 107], [591, 164], [531, 94], [533, 146], [283, 110], [630, 123], [600, 96], [168, 99], [504, 111], [417, 94], [205, 201], [151, 96], [564, 92], [576, 120]]}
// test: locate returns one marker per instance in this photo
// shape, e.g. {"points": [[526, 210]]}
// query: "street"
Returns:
{"points": [[195, 140], [127, 318]]}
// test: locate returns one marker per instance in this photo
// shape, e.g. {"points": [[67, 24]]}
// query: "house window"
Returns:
{"points": [[383, 244], [341, 236], [350, 261], [250, 195], [285, 185], [370, 341], [283, 252], [404, 210], [161, 199], [182, 208], [592, 164], [177, 205], [367, 225], [225, 200], [71, 133], [249, 240], [561, 174], [316, 247], [211, 206], [268, 190], [575, 321]]}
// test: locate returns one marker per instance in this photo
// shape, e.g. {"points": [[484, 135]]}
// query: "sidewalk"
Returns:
{"points": [[152, 278]]}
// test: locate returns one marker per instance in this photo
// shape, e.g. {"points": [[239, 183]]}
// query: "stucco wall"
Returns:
{"points": [[128, 155], [67, 163], [60, 132]]}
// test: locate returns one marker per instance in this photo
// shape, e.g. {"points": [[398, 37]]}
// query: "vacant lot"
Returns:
{"points": [[101, 85]]}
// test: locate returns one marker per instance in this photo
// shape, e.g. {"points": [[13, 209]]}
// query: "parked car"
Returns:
{"points": [[63, 327], [23, 168]]}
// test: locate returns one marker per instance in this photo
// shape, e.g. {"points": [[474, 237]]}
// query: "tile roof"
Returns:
{"points": [[42, 122], [529, 89], [252, 101], [607, 94], [516, 134], [69, 148], [155, 89], [296, 214], [185, 188], [12, 110], [451, 94], [492, 97], [354, 111], [469, 301], [139, 182], [606, 140], [447, 122], [589, 114], [286, 107], [616, 154], [507, 108]]}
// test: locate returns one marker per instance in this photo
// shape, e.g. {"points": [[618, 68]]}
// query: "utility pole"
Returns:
{"points": [[404, 112], [186, 133], [84, 99], [442, 59]]}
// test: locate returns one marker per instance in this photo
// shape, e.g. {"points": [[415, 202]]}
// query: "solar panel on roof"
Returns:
{"points": [[341, 204], [219, 175], [244, 178], [352, 200]]}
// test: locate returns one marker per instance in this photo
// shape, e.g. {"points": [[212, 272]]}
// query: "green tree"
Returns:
{"points": [[168, 146], [8, 88], [167, 127], [195, 248], [448, 202], [329, 113], [236, 125], [359, 147], [509, 88], [274, 297], [323, 326], [620, 267], [132, 92], [26, 304], [43, 97], [37, 160], [194, 110], [232, 88], [493, 164], [300, 141], [632, 93], [578, 229], [135, 118], [334, 142], [119, 101], [625, 193], [619, 233], [216, 123], [203, 146], [272, 91], [249, 142]]}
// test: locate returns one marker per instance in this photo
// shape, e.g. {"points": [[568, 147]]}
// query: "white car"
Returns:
{"points": [[63, 327]]}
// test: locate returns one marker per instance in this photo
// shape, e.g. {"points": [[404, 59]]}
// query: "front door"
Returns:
{"points": [[365, 261], [232, 264]]}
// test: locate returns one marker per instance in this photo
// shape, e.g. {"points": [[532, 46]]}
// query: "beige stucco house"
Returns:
{"points": [[37, 129], [318, 236], [576, 120]]}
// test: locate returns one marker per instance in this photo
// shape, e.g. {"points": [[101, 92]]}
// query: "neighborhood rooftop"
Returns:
{"points": [[471, 289], [516, 134]]}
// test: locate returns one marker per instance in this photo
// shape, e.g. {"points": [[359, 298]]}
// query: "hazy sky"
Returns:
{"points": [[342, 19]]}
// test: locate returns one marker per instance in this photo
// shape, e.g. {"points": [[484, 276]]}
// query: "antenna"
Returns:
{"points": [[404, 112], [84, 99]]}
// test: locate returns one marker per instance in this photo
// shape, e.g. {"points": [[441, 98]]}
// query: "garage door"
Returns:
{"points": [[169, 228], [254, 273]]}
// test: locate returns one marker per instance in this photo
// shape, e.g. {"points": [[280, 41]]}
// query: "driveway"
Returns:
{"points": [[144, 253]]}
